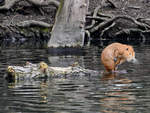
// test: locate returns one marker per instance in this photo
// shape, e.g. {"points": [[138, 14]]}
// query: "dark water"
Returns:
{"points": [[121, 93]]}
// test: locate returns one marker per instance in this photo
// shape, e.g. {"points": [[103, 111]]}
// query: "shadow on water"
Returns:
{"points": [[115, 93]]}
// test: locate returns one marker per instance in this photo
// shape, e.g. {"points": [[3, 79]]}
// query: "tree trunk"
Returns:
{"points": [[68, 30]]}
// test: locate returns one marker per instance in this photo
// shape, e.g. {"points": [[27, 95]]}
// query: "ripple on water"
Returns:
{"points": [[124, 92]]}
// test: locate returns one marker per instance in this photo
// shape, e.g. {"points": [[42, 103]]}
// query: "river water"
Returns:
{"points": [[121, 93]]}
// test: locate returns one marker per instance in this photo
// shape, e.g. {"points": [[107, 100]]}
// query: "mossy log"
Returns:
{"points": [[42, 70]]}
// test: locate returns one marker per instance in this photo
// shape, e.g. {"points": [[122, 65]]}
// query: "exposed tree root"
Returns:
{"points": [[102, 24], [94, 15], [107, 28], [129, 31], [99, 19], [10, 3], [44, 2], [113, 5], [113, 21], [102, 15], [107, 23], [30, 23], [88, 37]]}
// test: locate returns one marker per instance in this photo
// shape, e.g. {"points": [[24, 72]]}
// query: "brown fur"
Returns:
{"points": [[115, 54]]}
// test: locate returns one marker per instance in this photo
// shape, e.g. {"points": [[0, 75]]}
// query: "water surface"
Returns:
{"points": [[121, 93]]}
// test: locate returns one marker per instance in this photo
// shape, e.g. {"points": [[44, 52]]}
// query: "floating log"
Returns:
{"points": [[42, 70]]}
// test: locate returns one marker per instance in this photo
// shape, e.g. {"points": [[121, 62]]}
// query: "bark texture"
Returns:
{"points": [[68, 30]]}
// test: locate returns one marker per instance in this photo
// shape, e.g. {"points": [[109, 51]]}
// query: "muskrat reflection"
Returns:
{"points": [[117, 97]]}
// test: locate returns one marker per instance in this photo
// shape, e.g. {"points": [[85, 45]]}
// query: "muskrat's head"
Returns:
{"points": [[43, 66], [129, 54]]}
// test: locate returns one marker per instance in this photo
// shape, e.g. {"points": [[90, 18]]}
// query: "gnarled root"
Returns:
{"points": [[10, 3]]}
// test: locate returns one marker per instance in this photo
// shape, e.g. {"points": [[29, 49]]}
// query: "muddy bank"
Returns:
{"points": [[122, 21], [107, 19], [14, 26]]}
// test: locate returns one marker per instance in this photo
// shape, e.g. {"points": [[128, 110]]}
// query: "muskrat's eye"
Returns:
{"points": [[127, 49]]}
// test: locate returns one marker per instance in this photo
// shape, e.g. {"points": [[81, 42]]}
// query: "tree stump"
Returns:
{"points": [[68, 30]]}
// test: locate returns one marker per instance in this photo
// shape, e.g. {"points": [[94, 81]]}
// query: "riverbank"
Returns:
{"points": [[26, 22]]}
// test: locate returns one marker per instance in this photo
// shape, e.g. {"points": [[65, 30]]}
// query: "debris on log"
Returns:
{"points": [[42, 70]]}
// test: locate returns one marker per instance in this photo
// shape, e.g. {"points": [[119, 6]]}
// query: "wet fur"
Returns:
{"points": [[115, 54]]}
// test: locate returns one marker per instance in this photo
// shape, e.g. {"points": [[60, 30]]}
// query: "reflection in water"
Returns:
{"points": [[28, 96], [115, 93], [117, 97]]}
